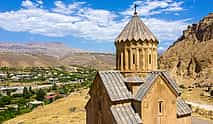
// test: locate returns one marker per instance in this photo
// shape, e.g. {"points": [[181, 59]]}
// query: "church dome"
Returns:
{"points": [[136, 30]]}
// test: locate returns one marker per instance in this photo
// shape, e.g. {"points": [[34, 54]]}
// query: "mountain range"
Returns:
{"points": [[45, 54], [55, 49]]}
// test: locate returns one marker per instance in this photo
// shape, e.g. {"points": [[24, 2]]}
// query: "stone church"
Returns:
{"points": [[136, 92]]}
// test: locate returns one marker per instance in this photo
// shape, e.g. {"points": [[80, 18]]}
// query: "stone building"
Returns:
{"points": [[136, 92]]}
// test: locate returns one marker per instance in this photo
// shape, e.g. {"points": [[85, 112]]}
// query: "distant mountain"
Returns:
{"points": [[191, 56], [101, 61], [56, 49], [51, 54], [12, 59]]}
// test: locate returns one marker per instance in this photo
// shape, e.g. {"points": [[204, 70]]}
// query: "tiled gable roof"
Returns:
{"points": [[182, 108], [115, 86], [145, 87], [150, 80], [171, 82], [114, 83], [124, 114]]}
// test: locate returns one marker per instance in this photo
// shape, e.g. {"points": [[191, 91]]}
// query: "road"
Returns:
{"points": [[203, 106], [200, 121], [20, 88]]}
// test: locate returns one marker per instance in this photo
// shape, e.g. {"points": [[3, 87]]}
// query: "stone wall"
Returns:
{"points": [[159, 95], [136, 56], [98, 112], [185, 120]]}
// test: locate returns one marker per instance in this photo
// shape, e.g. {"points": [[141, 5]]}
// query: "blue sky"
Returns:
{"points": [[94, 24]]}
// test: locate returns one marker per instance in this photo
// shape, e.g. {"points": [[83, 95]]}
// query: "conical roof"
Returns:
{"points": [[136, 30]]}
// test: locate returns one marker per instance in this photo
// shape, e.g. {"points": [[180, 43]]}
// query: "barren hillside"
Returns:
{"points": [[190, 58], [55, 49], [11, 59], [100, 61], [51, 54]]}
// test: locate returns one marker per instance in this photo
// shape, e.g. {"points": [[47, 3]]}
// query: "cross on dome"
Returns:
{"points": [[135, 6]]}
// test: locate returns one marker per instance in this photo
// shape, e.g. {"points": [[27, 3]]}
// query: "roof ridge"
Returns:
{"points": [[149, 81], [145, 87], [109, 71], [115, 86]]}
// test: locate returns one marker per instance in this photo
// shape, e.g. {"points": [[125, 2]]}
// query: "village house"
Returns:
{"points": [[7, 90], [136, 92], [3, 77], [35, 103]]}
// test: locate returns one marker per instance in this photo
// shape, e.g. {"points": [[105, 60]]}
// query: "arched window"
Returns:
{"points": [[133, 59], [141, 58], [150, 59], [124, 61], [119, 61], [129, 58], [160, 107]]}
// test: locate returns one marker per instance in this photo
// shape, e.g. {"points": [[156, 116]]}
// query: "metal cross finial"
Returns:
{"points": [[135, 6]]}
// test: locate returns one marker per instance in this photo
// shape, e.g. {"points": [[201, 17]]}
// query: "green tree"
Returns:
{"points": [[63, 90], [40, 95], [26, 93], [54, 87], [31, 91], [22, 101], [5, 100], [8, 93]]}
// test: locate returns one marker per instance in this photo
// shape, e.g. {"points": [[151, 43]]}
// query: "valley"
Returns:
{"points": [[24, 89]]}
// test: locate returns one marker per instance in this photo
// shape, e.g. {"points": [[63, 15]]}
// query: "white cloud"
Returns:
{"points": [[28, 4], [154, 7], [161, 49], [67, 9], [79, 20], [31, 5], [39, 2], [174, 7], [166, 30]]}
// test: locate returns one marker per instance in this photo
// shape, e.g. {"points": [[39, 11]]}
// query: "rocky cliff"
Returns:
{"points": [[190, 58]]}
